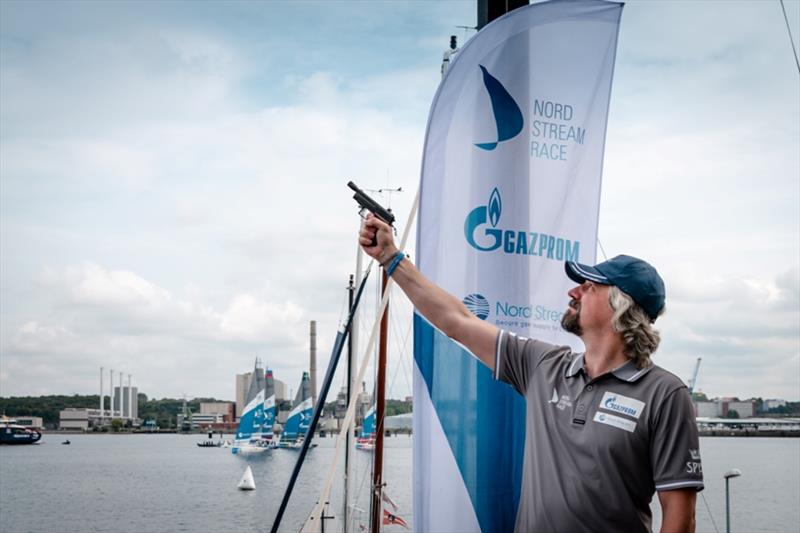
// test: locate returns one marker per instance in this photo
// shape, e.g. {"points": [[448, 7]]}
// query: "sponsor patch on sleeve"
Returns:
{"points": [[621, 404], [616, 421]]}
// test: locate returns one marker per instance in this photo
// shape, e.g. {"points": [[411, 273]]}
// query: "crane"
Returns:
{"points": [[693, 380]]}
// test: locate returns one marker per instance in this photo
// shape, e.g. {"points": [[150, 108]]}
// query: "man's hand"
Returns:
{"points": [[375, 228]]}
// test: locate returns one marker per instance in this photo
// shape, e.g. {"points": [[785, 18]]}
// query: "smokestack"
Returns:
{"points": [[313, 362], [130, 398], [111, 392], [101, 396]]}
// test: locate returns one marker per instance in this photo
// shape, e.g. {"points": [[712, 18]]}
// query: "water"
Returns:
{"points": [[155, 483]]}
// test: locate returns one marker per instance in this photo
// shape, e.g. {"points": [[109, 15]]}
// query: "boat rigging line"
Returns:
{"points": [[791, 40]]}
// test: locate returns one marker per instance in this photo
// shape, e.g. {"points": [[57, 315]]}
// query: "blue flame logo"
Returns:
{"points": [[495, 207], [507, 115]]}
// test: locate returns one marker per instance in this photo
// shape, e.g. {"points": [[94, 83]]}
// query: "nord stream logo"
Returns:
{"points": [[507, 114], [478, 305], [482, 233]]}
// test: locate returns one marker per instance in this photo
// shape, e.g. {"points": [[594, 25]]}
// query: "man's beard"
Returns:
{"points": [[569, 321]]}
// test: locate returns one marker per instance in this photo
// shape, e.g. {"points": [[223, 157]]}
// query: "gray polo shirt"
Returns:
{"points": [[597, 449]]}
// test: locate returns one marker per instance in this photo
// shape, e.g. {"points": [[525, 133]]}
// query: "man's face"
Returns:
{"points": [[588, 309]]}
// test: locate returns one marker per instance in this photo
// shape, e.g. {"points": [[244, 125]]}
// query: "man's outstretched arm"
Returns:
{"points": [[677, 510], [439, 307]]}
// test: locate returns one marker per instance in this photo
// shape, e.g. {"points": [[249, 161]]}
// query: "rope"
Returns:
{"points": [[791, 40], [709, 513]]}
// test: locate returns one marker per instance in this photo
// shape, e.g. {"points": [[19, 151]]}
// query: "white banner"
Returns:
{"points": [[510, 190]]}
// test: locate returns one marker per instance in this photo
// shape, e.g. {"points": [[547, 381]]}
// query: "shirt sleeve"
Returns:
{"points": [[517, 358], [675, 449]]}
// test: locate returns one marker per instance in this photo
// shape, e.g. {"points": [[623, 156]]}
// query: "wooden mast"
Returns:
{"points": [[376, 513]]}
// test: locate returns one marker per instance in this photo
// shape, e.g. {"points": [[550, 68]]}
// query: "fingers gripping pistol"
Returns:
{"points": [[368, 204]]}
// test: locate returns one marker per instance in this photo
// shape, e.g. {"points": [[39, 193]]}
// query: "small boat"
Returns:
{"points": [[366, 441], [13, 433], [205, 444], [66, 442], [247, 482]]}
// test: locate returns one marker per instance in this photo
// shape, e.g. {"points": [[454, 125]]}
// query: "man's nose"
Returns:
{"points": [[574, 293]]}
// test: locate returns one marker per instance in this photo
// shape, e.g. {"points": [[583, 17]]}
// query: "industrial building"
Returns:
{"points": [[77, 418], [226, 409]]}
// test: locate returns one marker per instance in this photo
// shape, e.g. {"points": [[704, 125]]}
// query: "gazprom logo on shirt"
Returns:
{"points": [[622, 404], [507, 115], [482, 233]]}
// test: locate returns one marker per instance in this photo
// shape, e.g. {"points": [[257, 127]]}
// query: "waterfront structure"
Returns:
{"points": [[722, 407], [226, 409], [203, 421], [79, 418], [706, 409]]}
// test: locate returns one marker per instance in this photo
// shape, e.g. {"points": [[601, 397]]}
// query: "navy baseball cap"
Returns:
{"points": [[636, 278]]}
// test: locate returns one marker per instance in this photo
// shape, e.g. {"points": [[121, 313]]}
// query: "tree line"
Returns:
{"points": [[163, 411]]}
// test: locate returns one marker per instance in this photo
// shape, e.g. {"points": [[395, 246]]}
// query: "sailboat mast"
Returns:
{"points": [[380, 411], [351, 288]]}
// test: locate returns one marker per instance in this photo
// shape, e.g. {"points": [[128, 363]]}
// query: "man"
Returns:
{"points": [[605, 429]]}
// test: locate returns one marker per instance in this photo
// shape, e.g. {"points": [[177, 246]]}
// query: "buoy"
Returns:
{"points": [[247, 482]]}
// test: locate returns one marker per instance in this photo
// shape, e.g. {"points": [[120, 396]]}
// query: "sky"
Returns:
{"points": [[173, 201]]}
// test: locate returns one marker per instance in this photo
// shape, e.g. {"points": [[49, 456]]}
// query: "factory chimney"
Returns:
{"points": [[111, 391], [101, 396], [313, 363], [130, 399]]}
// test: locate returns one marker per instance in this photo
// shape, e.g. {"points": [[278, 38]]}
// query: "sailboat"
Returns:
{"points": [[366, 439], [270, 410], [299, 420], [248, 435]]}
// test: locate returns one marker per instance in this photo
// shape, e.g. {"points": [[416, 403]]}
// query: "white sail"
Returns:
{"points": [[247, 482]]}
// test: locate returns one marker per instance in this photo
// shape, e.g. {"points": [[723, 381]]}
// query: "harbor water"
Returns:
{"points": [[165, 483]]}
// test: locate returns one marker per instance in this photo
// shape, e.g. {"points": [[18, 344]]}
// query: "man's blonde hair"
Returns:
{"points": [[632, 321]]}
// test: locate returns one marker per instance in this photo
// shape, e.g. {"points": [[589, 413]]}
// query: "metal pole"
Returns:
{"points": [[734, 472], [348, 443], [313, 360], [727, 506], [380, 412]]}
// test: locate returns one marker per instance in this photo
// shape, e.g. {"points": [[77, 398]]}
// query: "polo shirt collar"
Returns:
{"points": [[625, 372]]}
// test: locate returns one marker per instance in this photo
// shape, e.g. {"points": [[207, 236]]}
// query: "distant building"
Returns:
{"points": [[773, 403], [34, 422], [281, 392], [204, 421], [745, 409], [242, 384], [126, 409], [75, 418], [226, 409], [706, 409]]}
